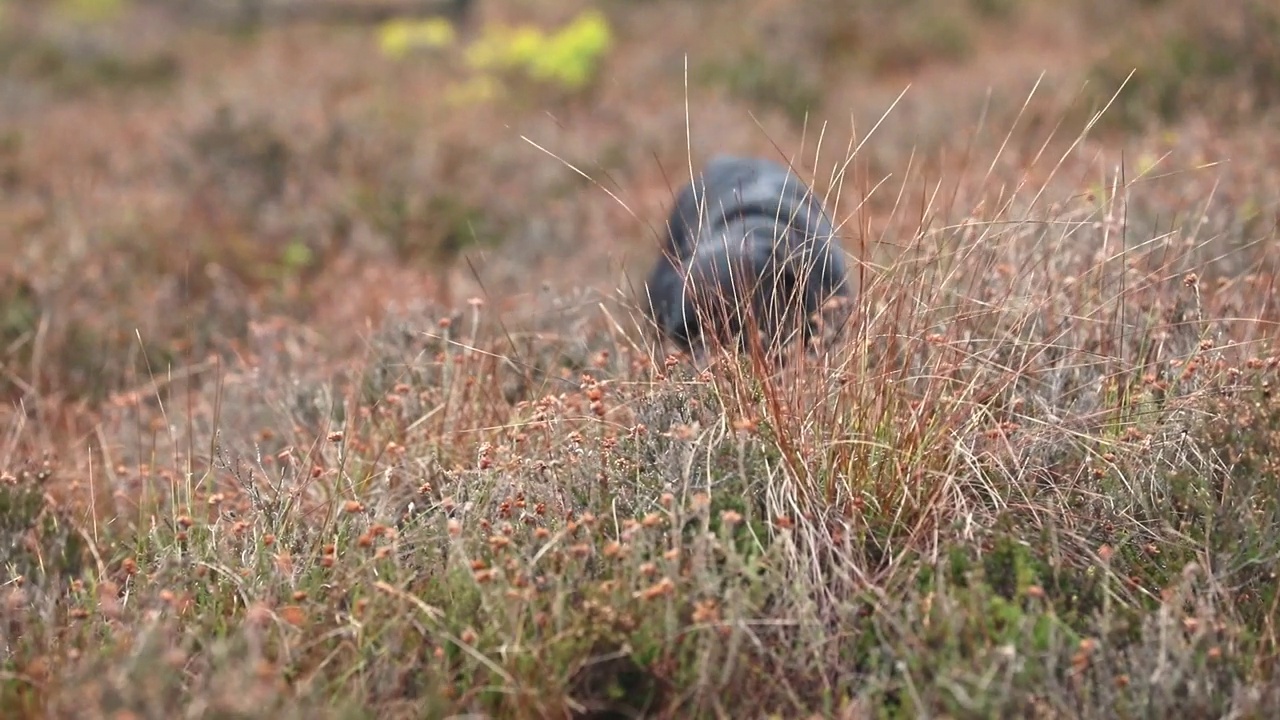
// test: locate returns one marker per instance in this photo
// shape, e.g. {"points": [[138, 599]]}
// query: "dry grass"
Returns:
{"points": [[262, 458]]}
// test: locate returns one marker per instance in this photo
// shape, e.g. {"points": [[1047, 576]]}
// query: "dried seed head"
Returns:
{"points": [[665, 586], [706, 611]]}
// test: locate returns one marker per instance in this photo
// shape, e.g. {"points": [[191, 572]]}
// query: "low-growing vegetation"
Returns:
{"points": [[1190, 58], [327, 393]]}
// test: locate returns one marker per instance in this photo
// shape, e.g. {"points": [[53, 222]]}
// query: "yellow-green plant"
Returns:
{"points": [[568, 57], [572, 55], [506, 48], [92, 10], [472, 91], [397, 38]]}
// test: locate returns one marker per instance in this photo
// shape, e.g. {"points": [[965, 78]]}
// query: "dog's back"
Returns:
{"points": [[747, 237]]}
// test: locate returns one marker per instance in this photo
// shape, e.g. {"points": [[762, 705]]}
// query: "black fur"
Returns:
{"points": [[748, 241]]}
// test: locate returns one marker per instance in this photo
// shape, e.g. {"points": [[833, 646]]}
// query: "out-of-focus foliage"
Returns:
{"points": [[398, 38], [481, 88], [91, 11], [568, 58], [1223, 60]]}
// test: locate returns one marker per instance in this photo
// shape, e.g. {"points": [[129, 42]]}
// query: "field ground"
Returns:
{"points": [[326, 393]]}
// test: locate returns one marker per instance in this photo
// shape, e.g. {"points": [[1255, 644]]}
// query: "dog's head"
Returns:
{"points": [[737, 287]]}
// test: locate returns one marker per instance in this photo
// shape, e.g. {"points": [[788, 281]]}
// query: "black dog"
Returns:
{"points": [[748, 248]]}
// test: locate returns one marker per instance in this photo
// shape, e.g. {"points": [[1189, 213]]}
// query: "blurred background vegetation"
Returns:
{"points": [[172, 169]]}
